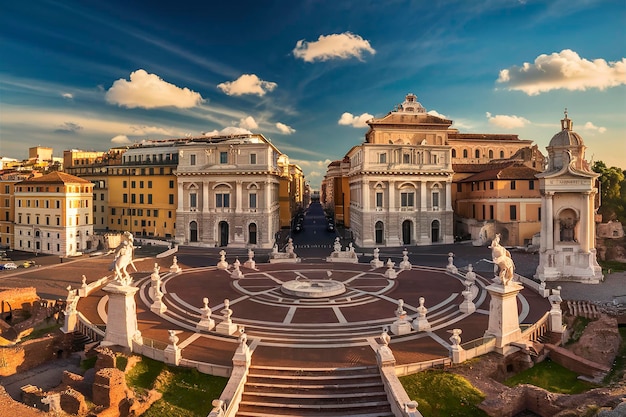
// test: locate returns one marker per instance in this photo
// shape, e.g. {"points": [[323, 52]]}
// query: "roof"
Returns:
{"points": [[56, 177], [469, 168], [566, 137], [510, 172], [483, 136]]}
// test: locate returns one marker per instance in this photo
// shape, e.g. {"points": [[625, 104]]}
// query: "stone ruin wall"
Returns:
{"points": [[19, 298], [27, 355]]}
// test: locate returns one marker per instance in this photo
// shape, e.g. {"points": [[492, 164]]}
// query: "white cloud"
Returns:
{"points": [[348, 119], [148, 91], [247, 84], [437, 114], [507, 122], [342, 46], [563, 70], [284, 129], [248, 123], [230, 130], [591, 126], [68, 128], [67, 96], [120, 139]]}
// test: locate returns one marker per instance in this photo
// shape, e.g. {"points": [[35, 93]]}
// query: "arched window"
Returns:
{"points": [[464, 153], [379, 229], [490, 154], [252, 233], [434, 231], [477, 153], [501, 154], [454, 153]]}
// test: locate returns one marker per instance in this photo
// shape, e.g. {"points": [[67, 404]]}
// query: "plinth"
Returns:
{"points": [[503, 314], [121, 315]]}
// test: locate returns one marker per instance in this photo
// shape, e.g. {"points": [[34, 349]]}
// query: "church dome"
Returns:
{"points": [[566, 137]]}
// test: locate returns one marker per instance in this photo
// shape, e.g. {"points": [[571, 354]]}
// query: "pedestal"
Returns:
{"points": [[250, 264], [206, 324], [172, 355], [400, 327], [421, 324], [226, 328], [503, 314], [69, 325], [121, 315], [158, 307], [458, 354]]}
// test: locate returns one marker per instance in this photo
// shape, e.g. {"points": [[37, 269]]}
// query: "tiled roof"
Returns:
{"points": [[482, 136], [56, 177], [482, 167], [515, 172]]}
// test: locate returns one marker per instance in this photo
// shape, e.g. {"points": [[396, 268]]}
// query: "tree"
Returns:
{"points": [[612, 192]]}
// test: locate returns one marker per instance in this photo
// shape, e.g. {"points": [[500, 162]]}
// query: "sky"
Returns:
{"points": [[307, 74]]}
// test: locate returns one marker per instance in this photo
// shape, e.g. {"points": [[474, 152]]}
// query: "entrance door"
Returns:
{"points": [[223, 229], [252, 234], [434, 231], [406, 232], [193, 231], [379, 229]]}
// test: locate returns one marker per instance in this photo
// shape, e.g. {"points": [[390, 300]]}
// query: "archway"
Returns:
{"points": [[407, 225], [567, 225], [193, 231], [223, 230], [252, 233], [379, 229], [434, 231]]}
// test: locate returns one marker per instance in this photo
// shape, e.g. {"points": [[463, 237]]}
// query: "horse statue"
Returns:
{"points": [[504, 266], [124, 257]]}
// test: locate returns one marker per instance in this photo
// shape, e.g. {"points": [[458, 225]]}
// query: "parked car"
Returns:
{"points": [[28, 264], [10, 265]]}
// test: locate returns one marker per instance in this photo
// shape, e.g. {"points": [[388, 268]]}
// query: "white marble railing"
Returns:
{"points": [[412, 368], [90, 330], [538, 329]]}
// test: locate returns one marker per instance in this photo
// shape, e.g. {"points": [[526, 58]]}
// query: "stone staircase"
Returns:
{"points": [[355, 392]]}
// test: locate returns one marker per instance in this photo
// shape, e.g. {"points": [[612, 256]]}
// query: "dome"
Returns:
{"points": [[566, 137]]}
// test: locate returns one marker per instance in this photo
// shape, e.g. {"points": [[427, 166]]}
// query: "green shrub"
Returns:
{"points": [[551, 376]]}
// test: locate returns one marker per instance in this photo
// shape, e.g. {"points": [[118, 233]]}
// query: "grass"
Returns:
{"points": [[121, 362], [613, 266], [552, 377], [186, 392], [443, 394], [88, 363], [578, 327], [42, 331]]}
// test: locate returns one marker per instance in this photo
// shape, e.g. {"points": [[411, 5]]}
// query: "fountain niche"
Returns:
{"points": [[313, 288]]}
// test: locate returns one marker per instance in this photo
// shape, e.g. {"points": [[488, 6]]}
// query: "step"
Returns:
{"points": [[266, 413], [300, 406], [282, 395], [329, 385]]}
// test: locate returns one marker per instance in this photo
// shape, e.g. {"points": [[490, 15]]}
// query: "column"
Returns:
{"points": [[366, 204], [549, 221], [448, 196], [392, 197], [268, 196], [238, 196], [423, 201], [585, 220], [181, 196], [205, 196]]}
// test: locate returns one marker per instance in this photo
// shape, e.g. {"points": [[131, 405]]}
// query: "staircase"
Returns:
{"points": [[355, 392]]}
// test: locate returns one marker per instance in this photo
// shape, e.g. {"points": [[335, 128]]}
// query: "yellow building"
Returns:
{"points": [[53, 215], [7, 204], [142, 191], [504, 199]]}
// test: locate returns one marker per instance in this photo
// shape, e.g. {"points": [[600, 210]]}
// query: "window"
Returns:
{"points": [[101, 197], [490, 154], [491, 185], [501, 154], [459, 187], [491, 212], [140, 184], [512, 184], [406, 158], [454, 153], [125, 198], [149, 198], [171, 184], [513, 212], [435, 199], [382, 158], [193, 200], [531, 185], [252, 158], [539, 213], [155, 213], [140, 198], [133, 184], [477, 153], [407, 199], [464, 153], [379, 199], [124, 184], [133, 198], [223, 157], [149, 184], [192, 159], [253, 200], [483, 212], [222, 200], [112, 211], [58, 204], [171, 199]]}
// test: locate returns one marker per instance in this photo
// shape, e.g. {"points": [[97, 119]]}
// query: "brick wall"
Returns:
{"points": [[19, 298], [574, 362], [31, 353]]}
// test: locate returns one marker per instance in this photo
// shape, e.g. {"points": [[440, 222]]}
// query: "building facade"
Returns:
{"points": [[7, 204], [568, 188], [400, 180], [53, 215], [228, 189]]}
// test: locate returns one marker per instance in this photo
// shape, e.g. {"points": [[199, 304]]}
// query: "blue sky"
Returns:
{"points": [[307, 74]]}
